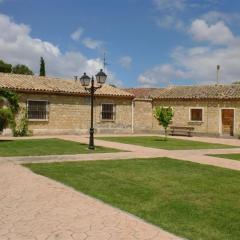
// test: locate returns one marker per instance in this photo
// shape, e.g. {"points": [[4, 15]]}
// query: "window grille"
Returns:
{"points": [[37, 110], [108, 111]]}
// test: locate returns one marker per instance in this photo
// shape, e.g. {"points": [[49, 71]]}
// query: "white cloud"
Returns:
{"points": [[125, 62], [76, 35], [92, 44], [212, 17], [159, 75], [201, 65], [169, 13], [198, 64], [17, 46], [170, 22], [170, 4], [217, 33]]}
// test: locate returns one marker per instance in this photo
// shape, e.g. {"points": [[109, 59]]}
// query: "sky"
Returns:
{"points": [[147, 43]]}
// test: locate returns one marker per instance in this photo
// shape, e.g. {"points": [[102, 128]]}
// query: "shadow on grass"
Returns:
{"points": [[161, 140]]}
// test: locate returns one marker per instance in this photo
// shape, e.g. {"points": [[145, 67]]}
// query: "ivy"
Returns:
{"points": [[7, 114], [12, 98], [6, 117]]}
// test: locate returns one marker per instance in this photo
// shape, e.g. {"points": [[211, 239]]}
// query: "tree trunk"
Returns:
{"points": [[165, 130]]}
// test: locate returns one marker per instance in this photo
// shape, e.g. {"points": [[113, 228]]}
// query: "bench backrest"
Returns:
{"points": [[181, 127]]}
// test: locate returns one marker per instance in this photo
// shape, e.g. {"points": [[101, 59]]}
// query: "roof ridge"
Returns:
{"points": [[34, 83]]}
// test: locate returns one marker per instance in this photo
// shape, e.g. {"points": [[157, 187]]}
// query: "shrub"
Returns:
{"points": [[6, 118], [20, 126], [164, 116]]}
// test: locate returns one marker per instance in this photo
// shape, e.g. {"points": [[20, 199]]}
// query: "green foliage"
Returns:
{"points": [[164, 116], [7, 113], [42, 71], [237, 82], [5, 67], [12, 98], [22, 69], [20, 128], [17, 69], [6, 118]]}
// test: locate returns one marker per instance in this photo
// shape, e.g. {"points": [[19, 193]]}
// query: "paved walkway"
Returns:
{"points": [[33, 207]]}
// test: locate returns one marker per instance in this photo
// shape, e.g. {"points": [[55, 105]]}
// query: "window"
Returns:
{"points": [[196, 114], [37, 110], [108, 111]]}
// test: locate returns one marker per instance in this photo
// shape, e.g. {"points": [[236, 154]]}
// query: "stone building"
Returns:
{"points": [[212, 110], [56, 106]]}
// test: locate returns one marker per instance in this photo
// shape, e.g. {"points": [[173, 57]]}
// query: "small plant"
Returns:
{"points": [[164, 116], [20, 127]]}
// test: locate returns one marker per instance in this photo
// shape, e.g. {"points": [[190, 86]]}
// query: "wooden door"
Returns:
{"points": [[227, 122]]}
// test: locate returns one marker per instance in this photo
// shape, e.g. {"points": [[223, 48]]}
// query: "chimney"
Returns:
{"points": [[218, 73]]}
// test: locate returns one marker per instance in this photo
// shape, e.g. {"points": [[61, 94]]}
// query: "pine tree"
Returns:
{"points": [[42, 68]]}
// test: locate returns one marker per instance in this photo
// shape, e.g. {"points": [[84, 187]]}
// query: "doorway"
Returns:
{"points": [[227, 122]]}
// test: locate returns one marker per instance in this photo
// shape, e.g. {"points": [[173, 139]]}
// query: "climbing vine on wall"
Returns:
{"points": [[8, 110]]}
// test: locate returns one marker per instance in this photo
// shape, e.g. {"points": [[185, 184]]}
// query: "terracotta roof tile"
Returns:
{"points": [[146, 93], [34, 83], [189, 92]]}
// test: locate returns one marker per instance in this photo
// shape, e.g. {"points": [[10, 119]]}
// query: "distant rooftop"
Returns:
{"points": [[188, 92], [146, 93]]}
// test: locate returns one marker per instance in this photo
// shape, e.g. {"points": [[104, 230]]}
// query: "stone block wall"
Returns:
{"points": [[71, 114], [211, 124], [143, 117]]}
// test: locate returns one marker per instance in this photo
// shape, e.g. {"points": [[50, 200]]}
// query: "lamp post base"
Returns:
{"points": [[91, 139]]}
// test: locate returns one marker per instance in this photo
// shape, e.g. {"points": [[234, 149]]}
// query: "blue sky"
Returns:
{"points": [[147, 42]]}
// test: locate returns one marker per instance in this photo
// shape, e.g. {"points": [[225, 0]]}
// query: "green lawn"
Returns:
{"points": [[233, 156], [38, 147], [191, 200], [170, 144]]}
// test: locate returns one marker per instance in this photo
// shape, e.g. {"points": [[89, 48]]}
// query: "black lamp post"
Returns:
{"points": [[85, 81]]}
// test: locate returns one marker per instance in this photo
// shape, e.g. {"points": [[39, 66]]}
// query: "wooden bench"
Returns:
{"points": [[178, 130]]}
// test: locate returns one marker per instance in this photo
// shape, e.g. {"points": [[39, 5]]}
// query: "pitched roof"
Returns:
{"points": [[146, 93], [190, 92], [29, 83]]}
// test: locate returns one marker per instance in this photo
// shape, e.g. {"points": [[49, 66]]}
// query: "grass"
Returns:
{"points": [[232, 156], [188, 199], [170, 144], [38, 147]]}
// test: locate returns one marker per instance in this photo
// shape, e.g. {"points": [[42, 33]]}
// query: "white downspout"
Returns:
{"points": [[133, 116]]}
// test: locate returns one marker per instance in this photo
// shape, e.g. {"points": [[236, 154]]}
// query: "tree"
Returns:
{"points": [[164, 116], [22, 69], [237, 82], [5, 67], [8, 108], [42, 71]]}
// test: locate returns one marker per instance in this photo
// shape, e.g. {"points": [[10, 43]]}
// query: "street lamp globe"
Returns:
{"points": [[85, 80], [101, 77]]}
